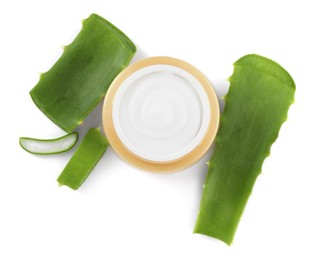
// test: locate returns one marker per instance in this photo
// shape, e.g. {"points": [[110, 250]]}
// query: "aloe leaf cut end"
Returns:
{"points": [[49, 146]]}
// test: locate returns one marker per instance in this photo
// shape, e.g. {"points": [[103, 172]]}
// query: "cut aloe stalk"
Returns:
{"points": [[80, 78], [85, 158], [257, 103], [51, 146]]}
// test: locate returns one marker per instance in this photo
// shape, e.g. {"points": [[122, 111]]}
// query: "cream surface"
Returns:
{"points": [[161, 113]]}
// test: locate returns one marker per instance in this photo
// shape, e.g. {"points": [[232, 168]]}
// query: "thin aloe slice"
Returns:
{"points": [[80, 78], [85, 158], [50, 146], [257, 103]]}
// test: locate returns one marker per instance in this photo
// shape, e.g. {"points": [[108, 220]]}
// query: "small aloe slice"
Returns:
{"points": [[85, 158], [257, 103], [80, 78], [51, 146]]}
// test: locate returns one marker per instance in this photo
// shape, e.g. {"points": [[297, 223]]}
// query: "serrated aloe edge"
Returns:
{"points": [[80, 78], [256, 106], [49, 146]]}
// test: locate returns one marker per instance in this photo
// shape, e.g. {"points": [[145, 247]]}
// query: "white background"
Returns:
{"points": [[124, 213]]}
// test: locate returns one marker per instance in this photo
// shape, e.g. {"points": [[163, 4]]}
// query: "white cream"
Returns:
{"points": [[161, 113]]}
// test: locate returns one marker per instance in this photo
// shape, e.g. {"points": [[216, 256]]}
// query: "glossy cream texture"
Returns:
{"points": [[161, 113]]}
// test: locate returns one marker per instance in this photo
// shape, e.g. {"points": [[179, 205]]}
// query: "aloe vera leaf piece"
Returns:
{"points": [[80, 78], [49, 146], [257, 103], [85, 158]]}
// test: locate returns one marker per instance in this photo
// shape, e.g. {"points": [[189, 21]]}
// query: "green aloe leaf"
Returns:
{"points": [[80, 78], [85, 158], [257, 104]]}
